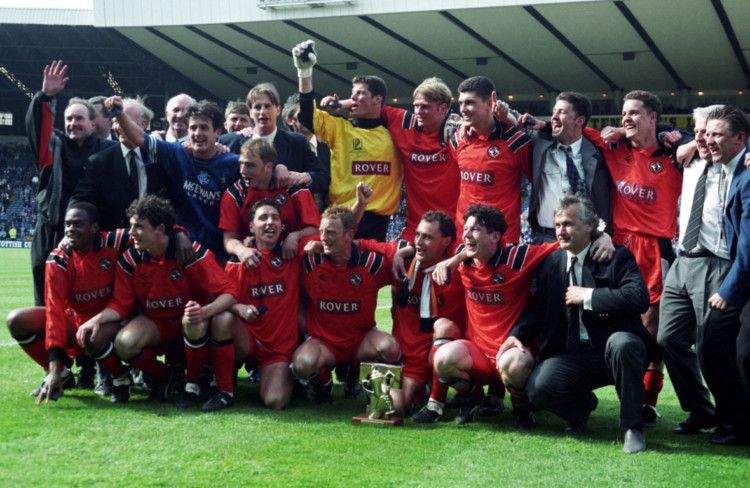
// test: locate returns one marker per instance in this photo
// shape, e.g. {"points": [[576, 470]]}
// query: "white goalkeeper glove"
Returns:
{"points": [[304, 58]]}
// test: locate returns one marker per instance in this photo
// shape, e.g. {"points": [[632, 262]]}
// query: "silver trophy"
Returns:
{"points": [[378, 379]]}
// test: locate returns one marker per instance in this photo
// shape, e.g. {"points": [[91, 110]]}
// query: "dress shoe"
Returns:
{"points": [[694, 424], [635, 441], [725, 436], [581, 426]]}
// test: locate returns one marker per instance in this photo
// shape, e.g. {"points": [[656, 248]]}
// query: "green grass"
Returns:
{"points": [[82, 440]]}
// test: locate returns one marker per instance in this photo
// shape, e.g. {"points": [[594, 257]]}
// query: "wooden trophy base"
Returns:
{"points": [[364, 419]]}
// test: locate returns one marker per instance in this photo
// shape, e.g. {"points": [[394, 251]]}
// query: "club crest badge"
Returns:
{"points": [[281, 198], [493, 151], [204, 178], [355, 279], [276, 262], [175, 275], [105, 264], [498, 278], [656, 167]]}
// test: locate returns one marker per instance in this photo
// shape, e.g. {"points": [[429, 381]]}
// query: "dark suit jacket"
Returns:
{"points": [[735, 288], [293, 152], [598, 179], [105, 184], [620, 297]]}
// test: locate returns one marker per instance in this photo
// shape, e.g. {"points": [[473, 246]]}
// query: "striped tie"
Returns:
{"points": [[696, 212]]}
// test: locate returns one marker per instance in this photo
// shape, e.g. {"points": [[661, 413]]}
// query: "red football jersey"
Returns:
{"points": [[160, 288], [343, 298], [81, 283], [647, 186], [274, 284], [499, 292], [490, 166], [430, 170], [416, 345], [298, 208]]}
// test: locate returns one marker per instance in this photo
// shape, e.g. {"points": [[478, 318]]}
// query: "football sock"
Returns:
{"points": [[34, 346], [196, 351], [222, 357], [108, 360], [653, 381]]}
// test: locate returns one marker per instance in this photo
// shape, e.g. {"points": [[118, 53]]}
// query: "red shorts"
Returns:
{"points": [[484, 369], [343, 353], [261, 355], [648, 255]]}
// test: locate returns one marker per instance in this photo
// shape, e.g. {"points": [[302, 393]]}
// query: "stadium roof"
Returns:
{"points": [[531, 49]]}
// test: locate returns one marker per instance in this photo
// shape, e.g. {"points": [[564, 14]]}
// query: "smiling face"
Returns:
{"points": [[567, 127], [236, 122], [175, 112], [264, 113], [202, 136], [638, 123], [475, 112], [722, 144], [572, 233], [145, 236], [364, 104], [429, 243], [255, 172], [266, 226], [79, 229], [700, 138], [78, 124], [336, 240], [479, 243], [429, 113]]}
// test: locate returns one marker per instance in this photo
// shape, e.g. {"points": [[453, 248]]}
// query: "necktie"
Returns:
{"points": [[133, 176], [696, 212], [574, 333], [577, 185]]}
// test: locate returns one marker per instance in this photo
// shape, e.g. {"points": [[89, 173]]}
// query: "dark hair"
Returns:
{"points": [[264, 202], [650, 101], [488, 217], [87, 207], [262, 148], [445, 224], [481, 85], [155, 209], [735, 119], [207, 109], [344, 214], [375, 84], [580, 102]]}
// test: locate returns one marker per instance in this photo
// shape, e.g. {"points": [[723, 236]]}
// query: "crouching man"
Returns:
{"points": [[585, 316]]}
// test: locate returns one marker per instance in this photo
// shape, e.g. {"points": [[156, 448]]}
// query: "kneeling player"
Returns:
{"points": [[343, 285], [150, 279], [264, 331], [497, 281], [78, 284]]}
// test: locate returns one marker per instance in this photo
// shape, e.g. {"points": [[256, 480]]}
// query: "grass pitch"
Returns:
{"points": [[83, 440]]}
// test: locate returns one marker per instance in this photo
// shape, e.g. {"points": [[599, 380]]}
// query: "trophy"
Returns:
{"points": [[377, 380]]}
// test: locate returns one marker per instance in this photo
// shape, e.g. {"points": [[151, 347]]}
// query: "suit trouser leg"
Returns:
{"points": [[562, 384], [719, 358], [681, 326], [743, 351], [627, 360]]}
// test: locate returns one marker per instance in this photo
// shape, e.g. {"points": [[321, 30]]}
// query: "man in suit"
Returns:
{"points": [[589, 335], [696, 275], [109, 182], [726, 341], [564, 162], [293, 150]]}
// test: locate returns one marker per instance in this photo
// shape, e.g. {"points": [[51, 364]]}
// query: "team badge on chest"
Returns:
{"points": [[493, 151], [498, 278], [355, 279], [105, 264], [280, 198], [656, 167], [175, 275], [276, 262]]}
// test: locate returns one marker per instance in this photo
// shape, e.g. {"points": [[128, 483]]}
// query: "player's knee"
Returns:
{"points": [[515, 369], [275, 399], [195, 331], [126, 344], [388, 349], [221, 326], [14, 322], [446, 328], [304, 365]]}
